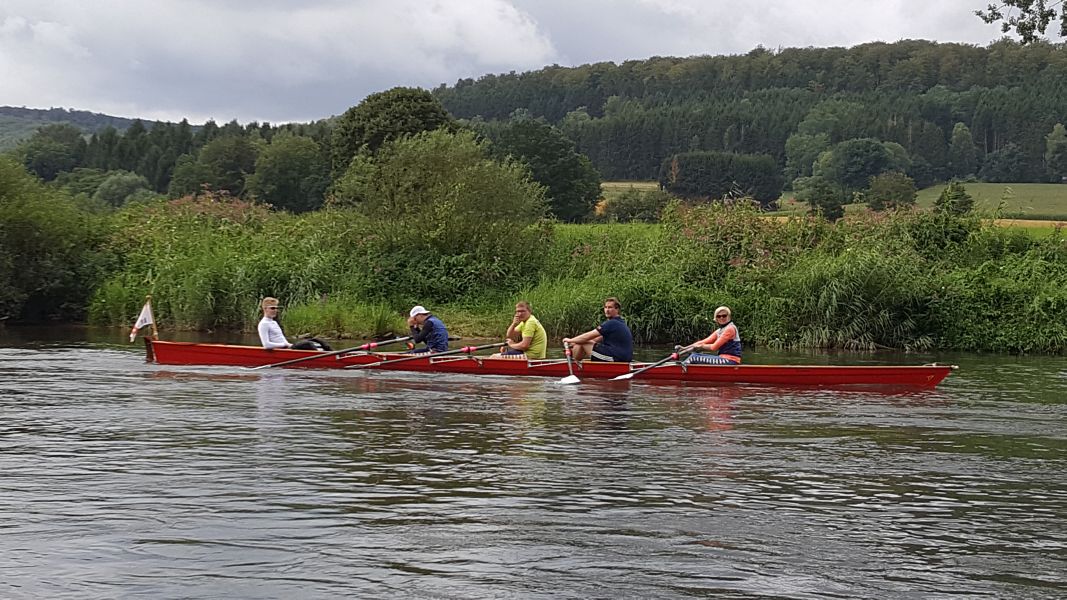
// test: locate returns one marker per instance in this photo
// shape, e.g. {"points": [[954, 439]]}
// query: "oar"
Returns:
{"points": [[366, 346], [678, 352], [465, 349], [572, 378]]}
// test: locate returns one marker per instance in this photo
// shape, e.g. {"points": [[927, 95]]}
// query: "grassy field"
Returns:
{"points": [[1023, 200], [1040, 208], [612, 189]]}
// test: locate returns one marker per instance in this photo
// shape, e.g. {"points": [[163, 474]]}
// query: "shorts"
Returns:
{"points": [[603, 353], [708, 359], [311, 344]]}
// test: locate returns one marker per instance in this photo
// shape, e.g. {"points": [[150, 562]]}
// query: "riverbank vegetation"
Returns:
{"points": [[912, 280], [909, 279]]}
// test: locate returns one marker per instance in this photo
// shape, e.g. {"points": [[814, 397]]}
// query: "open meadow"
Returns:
{"points": [[1040, 208]]}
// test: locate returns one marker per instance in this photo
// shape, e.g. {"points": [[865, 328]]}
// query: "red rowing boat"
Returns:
{"points": [[187, 353]]}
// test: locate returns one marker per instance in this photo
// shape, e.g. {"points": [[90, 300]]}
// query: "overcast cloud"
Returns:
{"points": [[280, 61]]}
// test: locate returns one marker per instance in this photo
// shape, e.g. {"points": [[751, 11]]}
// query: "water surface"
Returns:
{"points": [[122, 479]]}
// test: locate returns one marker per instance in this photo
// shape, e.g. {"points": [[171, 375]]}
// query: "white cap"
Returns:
{"points": [[418, 310]]}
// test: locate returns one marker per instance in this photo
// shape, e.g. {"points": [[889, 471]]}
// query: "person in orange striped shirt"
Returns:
{"points": [[722, 347]]}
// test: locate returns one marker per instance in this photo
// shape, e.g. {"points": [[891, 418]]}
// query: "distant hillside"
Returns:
{"points": [[629, 117], [19, 123]]}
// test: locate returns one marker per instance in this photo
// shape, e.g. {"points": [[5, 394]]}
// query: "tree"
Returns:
{"points": [[189, 177], [82, 181], [801, 150], [855, 161], [962, 154], [385, 116], [634, 206], [954, 200], [835, 118], [890, 190], [49, 257], [1008, 164], [51, 150], [291, 174], [717, 175], [228, 160], [1056, 153], [442, 217], [822, 196], [1031, 20], [119, 186], [573, 184]]}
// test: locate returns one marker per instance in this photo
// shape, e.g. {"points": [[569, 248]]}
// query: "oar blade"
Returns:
{"points": [[623, 377], [570, 380]]}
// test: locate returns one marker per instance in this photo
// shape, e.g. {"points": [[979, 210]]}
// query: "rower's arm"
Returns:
{"points": [[589, 336], [707, 343], [522, 345]]}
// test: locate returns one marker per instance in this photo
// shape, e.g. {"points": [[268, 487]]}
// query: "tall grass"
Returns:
{"points": [[910, 280]]}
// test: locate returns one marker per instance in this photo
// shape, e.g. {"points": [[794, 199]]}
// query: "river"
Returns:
{"points": [[122, 479]]}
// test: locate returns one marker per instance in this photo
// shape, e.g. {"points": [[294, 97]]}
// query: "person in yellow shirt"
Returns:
{"points": [[526, 337]]}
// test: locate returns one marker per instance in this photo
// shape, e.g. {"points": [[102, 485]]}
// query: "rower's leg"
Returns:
{"points": [[581, 351]]}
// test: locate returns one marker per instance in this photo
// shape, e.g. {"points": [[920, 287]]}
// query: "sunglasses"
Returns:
{"points": [[722, 316]]}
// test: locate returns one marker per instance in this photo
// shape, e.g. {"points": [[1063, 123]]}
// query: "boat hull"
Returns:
{"points": [[913, 376]]}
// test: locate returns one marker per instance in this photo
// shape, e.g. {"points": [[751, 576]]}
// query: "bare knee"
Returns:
{"points": [[581, 351]]}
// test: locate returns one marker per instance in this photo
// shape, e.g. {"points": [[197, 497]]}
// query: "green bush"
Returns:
{"points": [[715, 175], [442, 219], [635, 206], [51, 254]]}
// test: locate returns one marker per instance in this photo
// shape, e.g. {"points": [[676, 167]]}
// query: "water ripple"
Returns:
{"points": [[128, 480]]}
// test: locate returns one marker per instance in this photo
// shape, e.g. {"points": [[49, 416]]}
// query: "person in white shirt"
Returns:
{"points": [[270, 332]]}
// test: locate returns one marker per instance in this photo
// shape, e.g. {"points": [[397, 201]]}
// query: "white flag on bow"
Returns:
{"points": [[145, 318]]}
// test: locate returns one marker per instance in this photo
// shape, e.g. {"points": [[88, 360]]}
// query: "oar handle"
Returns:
{"points": [[678, 352], [463, 350]]}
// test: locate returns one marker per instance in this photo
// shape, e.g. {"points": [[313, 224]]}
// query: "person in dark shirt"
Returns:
{"points": [[427, 329], [611, 341]]}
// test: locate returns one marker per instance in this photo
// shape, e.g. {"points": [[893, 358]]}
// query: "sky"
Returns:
{"points": [[296, 61]]}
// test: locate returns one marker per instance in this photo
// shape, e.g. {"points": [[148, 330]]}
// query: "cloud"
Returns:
{"points": [[244, 60], [285, 61]]}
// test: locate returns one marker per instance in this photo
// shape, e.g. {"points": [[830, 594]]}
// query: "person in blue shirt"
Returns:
{"points": [[611, 341], [428, 329]]}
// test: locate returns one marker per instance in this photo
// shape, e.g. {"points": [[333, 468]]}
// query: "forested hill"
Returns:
{"points": [[18, 123], [83, 119], [628, 117]]}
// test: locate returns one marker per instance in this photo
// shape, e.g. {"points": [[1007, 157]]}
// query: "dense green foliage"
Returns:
{"points": [[50, 249], [629, 117], [905, 279], [716, 175], [442, 218], [634, 206], [1056, 153], [573, 186], [954, 200], [291, 173], [891, 190], [382, 117]]}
